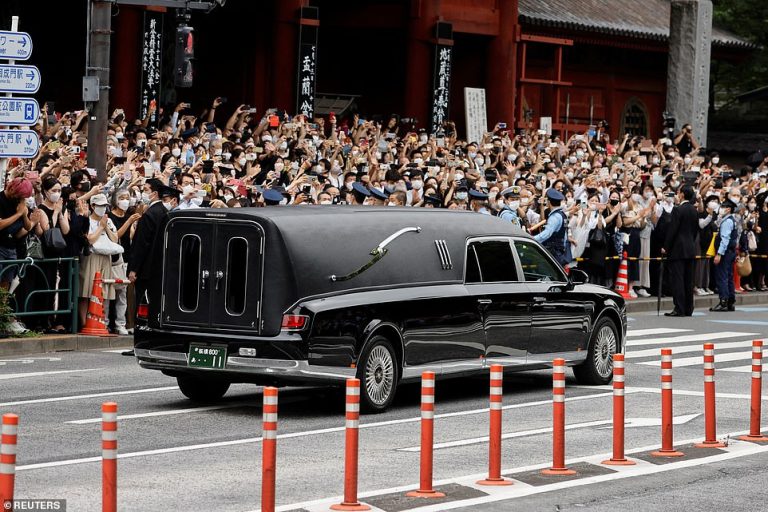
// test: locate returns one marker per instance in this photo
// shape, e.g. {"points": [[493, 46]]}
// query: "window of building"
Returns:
{"points": [[634, 120], [490, 261], [536, 265], [189, 273], [237, 276]]}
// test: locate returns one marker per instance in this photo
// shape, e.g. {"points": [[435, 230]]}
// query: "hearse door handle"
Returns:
{"points": [[204, 275], [484, 302], [539, 300], [219, 275]]}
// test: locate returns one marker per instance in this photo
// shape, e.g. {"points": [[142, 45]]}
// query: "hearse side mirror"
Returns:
{"points": [[577, 277]]}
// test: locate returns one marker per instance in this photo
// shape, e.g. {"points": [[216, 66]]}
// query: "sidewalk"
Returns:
{"points": [[64, 342]]}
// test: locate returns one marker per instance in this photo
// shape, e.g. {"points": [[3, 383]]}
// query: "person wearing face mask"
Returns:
{"points": [[124, 218], [99, 226], [146, 230], [680, 251], [478, 202], [725, 247], [56, 217], [555, 234], [707, 219], [510, 210]]}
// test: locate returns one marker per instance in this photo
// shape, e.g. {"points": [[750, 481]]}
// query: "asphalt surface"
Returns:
{"points": [[178, 456]]}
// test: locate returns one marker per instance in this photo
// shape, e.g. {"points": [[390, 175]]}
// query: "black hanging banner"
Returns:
{"points": [[151, 63], [441, 89], [307, 68]]}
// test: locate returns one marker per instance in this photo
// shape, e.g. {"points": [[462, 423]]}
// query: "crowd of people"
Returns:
{"points": [[589, 197]]}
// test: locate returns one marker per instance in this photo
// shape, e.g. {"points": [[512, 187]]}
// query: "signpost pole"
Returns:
{"points": [[99, 37], [4, 161]]}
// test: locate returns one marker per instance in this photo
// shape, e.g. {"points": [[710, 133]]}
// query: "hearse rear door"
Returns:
{"points": [[212, 275]]}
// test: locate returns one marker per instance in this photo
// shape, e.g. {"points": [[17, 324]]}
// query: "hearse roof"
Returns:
{"points": [[323, 241]]}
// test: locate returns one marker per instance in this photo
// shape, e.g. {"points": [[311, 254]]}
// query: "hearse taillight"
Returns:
{"points": [[142, 311], [294, 322]]}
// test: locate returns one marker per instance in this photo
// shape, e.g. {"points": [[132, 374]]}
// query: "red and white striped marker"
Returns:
{"points": [[10, 430], [558, 421], [755, 409], [427, 438], [494, 434], [710, 418], [351, 449], [667, 443], [109, 457], [268, 449], [618, 458]]}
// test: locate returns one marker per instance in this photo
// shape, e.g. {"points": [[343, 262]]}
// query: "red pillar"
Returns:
{"points": [[423, 16], [501, 79], [283, 60], [126, 60]]}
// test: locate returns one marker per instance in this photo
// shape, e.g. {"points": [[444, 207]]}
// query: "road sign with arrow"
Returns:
{"points": [[15, 45], [24, 79], [19, 143]]}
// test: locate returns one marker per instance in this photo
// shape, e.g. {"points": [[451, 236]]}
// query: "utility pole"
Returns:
{"points": [[98, 65]]}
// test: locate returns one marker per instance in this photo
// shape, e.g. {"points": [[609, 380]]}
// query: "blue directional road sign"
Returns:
{"points": [[15, 45], [19, 111], [24, 79], [19, 143]]}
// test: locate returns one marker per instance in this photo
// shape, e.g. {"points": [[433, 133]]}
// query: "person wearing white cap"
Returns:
{"points": [[101, 235]]}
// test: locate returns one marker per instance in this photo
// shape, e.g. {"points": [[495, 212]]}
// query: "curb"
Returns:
{"points": [[649, 304], [61, 343]]}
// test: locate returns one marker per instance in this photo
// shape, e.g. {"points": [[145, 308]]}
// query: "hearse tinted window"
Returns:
{"points": [[536, 265], [189, 270], [490, 261], [237, 276]]}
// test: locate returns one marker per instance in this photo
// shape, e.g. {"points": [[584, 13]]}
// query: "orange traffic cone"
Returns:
{"points": [[622, 284], [94, 319]]}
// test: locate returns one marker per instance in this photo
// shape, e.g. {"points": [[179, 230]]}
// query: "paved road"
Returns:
{"points": [[179, 456]]}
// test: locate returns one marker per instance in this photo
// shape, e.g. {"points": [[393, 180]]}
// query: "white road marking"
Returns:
{"points": [[659, 330], [305, 433], [629, 423], [9, 376], [696, 360], [709, 337], [654, 352], [83, 397], [28, 360], [740, 369], [735, 449], [160, 413], [116, 350]]}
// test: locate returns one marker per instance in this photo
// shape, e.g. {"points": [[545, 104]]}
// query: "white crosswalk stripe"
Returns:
{"points": [[644, 347]]}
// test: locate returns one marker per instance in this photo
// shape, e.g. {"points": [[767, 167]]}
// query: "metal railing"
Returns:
{"points": [[68, 287]]}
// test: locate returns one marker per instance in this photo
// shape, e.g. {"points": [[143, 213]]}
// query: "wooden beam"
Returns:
{"points": [[546, 39], [546, 82]]}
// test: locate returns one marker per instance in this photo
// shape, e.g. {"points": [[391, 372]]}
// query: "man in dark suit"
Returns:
{"points": [[161, 200], [680, 251]]}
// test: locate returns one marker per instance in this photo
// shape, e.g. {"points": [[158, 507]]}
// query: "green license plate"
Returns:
{"points": [[206, 356]]}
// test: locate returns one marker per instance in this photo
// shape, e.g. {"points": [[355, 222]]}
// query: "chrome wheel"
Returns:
{"points": [[605, 347], [379, 375]]}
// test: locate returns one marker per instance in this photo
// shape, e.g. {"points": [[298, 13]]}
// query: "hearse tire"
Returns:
{"points": [[598, 367], [202, 390], [378, 372]]}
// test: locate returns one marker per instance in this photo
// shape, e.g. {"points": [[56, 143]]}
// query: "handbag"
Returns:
{"points": [[743, 265], [106, 247], [597, 238], [751, 241], [34, 247], [54, 241]]}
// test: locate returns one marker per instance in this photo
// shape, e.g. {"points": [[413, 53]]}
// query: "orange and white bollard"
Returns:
{"points": [[618, 458], [710, 415], [558, 421], [109, 457], [427, 438], [494, 434], [351, 449], [10, 430], [268, 449], [755, 409], [667, 443]]}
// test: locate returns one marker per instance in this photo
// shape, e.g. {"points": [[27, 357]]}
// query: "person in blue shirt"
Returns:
{"points": [[509, 212], [725, 245], [555, 234]]}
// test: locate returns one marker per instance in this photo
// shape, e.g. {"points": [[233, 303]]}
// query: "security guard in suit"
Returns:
{"points": [[725, 244], [680, 249]]}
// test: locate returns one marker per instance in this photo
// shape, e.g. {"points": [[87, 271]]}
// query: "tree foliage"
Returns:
{"points": [[749, 20]]}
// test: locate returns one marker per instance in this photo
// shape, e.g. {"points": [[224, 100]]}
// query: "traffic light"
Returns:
{"points": [[185, 52]]}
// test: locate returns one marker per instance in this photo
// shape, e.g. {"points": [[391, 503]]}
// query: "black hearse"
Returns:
{"points": [[315, 295]]}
